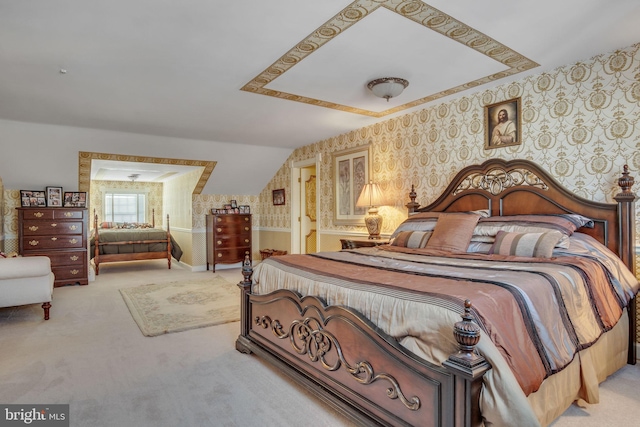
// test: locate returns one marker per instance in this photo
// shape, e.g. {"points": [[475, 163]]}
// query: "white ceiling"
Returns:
{"points": [[176, 68], [113, 170]]}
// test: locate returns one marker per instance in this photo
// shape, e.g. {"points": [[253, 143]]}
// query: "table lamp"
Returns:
{"points": [[371, 196]]}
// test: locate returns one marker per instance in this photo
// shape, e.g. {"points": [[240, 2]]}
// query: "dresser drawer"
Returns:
{"points": [[231, 255], [35, 228], [233, 219], [29, 214], [231, 228], [68, 257], [231, 241], [38, 243], [69, 273], [68, 214]]}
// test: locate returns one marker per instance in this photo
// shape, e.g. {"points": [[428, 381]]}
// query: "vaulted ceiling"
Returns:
{"points": [[282, 73]]}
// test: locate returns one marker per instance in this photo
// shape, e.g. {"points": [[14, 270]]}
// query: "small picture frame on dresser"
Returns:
{"points": [[54, 197], [75, 199], [32, 199]]}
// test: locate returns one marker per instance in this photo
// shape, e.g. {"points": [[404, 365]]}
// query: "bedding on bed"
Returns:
{"points": [[536, 314], [112, 235]]}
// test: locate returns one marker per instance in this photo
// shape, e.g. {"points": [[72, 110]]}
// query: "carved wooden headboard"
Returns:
{"points": [[522, 187]]}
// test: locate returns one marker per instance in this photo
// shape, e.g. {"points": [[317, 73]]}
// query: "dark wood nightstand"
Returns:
{"points": [[353, 243]]}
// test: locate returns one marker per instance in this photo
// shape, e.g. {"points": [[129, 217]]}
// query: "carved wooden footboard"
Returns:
{"points": [[346, 361]]}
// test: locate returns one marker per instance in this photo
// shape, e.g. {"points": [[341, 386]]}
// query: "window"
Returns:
{"points": [[125, 207]]}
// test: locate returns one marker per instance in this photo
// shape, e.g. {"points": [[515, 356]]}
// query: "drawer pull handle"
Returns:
{"points": [[219, 255], [38, 214], [218, 219], [68, 214], [246, 229], [74, 258], [246, 240], [219, 230], [34, 242], [33, 228], [54, 238], [54, 225], [73, 227], [246, 218], [219, 242], [74, 272], [73, 241]]}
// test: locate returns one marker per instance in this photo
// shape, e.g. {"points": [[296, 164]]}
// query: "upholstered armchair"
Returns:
{"points": [[26, 280]]}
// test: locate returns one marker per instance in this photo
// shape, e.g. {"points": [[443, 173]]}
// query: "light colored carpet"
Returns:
{"points": [[91, 355], [179, 306]]}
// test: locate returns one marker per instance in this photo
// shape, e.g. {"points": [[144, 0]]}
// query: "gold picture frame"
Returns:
{"points": [[502, 124], [351, 169]]}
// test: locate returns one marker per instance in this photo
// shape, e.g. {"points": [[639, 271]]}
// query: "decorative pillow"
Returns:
{"points": [[412, 239], [426, 221], [453, 232], [536, 245], [479, 247], [529, 224], [109, 225], [423, 221]]}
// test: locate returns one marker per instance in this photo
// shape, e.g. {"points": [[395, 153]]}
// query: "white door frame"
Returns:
{"points": [[295, 201]]}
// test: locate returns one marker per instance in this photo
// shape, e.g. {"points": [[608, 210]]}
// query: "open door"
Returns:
{"points": [[308, 208], [304, 206]]}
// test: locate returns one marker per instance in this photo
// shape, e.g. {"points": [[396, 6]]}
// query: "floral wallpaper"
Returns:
{"points": [[580, 122]]}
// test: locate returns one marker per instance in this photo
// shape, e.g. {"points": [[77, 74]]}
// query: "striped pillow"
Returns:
{"points": [[412, 239], [536, 245]]}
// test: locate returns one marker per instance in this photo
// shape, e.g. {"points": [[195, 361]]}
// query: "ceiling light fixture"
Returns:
{"points": [[133, 176], [387, 87]]}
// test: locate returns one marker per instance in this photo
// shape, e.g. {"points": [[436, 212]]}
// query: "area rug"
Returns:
{"points": [[178, 306]]}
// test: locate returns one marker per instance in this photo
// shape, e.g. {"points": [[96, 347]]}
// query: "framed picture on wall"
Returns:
{"points": [[502, 124], [278, 197], [54, 197], [350, 174]]}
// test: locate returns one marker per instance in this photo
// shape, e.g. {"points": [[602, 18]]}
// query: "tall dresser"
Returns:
{"points": [[228, 238], [60, 234]]}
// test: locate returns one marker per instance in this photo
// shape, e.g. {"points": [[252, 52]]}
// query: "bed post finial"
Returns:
{"points": [[467, 366], [247, 269], [412, 205], [467, 335], [625, 181]]}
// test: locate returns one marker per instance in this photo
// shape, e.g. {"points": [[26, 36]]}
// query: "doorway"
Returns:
{"points": [[304, 206]]}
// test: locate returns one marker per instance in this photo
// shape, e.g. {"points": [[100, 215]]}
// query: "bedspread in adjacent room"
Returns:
{"points": [[134, 235], [536, 314]]}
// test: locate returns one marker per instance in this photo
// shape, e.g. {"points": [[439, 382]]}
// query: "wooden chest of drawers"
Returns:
{"points": [[228, 238], [60, 234]]}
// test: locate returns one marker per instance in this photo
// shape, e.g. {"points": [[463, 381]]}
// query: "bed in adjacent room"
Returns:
{"points": [[116, 242], [544, 281]]}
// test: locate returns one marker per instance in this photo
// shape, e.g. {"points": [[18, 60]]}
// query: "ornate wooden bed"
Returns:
{"points": [[132, 244], [352, 365]]}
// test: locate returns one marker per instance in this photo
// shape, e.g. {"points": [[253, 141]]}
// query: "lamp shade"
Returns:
{"points": [[387, 87], [371, 195]]}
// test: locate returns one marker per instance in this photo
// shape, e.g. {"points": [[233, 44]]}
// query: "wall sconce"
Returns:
{"points": [[387, 87], [371, 196]]}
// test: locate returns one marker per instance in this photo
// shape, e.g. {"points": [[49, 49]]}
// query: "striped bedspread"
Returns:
{"points": [[537, 312]]}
